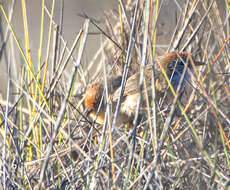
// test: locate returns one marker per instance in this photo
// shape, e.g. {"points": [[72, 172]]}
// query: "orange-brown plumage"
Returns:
{"points": [[93, 95]]}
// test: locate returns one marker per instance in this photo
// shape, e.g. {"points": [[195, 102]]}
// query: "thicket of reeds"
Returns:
{"points": [[43, 115]]}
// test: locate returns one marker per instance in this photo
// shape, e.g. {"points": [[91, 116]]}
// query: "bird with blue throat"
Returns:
{"points": [[172, 64]]}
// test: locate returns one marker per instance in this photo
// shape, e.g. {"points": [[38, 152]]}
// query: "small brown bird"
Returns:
{"points": [[172, 63]]}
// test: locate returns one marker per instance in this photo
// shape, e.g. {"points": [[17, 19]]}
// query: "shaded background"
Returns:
{"points": [[72, 23]]}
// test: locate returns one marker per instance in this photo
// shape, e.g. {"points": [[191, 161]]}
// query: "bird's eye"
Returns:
{"points": [[177, 65]]}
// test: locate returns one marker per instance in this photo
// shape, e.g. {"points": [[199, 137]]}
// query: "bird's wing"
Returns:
{"points": [[132, 83], [130, 87]]}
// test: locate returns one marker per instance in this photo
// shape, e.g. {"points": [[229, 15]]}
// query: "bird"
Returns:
{"points": [[172, 64]]}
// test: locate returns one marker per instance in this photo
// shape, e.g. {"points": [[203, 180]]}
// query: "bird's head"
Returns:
{"points": [[174, 64]]}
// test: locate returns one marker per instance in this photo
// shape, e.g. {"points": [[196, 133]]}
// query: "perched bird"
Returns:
{"points": [[172, 64]]}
